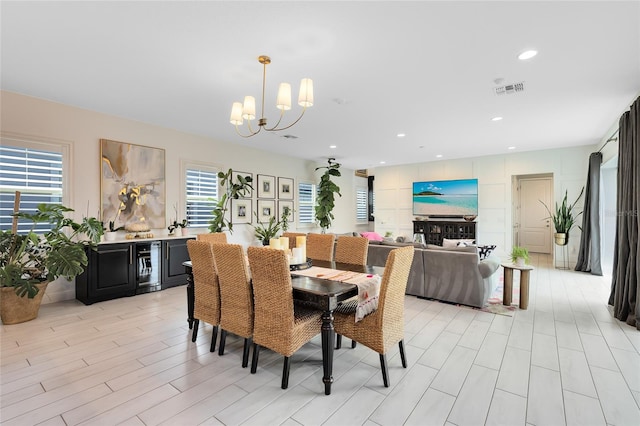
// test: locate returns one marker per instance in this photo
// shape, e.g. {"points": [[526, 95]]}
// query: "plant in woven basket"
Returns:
{"points": [[326, 198], [31, 258], [233, 191]]}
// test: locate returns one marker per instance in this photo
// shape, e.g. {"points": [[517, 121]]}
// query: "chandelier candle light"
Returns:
{"points": [[247, 111]]}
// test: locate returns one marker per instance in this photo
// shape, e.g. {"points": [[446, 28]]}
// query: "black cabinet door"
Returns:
{"points": [[111, 273], [174, 252]]}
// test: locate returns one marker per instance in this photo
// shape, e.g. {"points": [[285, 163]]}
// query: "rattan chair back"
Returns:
{"points": [[384, 327], [215, 237], [277, 324], [236, 295], [320, 246], [206, 287], [352, 250], [292, 237]]}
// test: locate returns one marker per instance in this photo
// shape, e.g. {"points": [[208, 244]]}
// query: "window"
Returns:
{"points": [[34, 169], [201, 195], [361, 205], [306, 202]]}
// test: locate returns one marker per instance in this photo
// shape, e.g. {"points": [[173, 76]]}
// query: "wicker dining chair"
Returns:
{"points": [[206, 288], [292, 238], [236, 296], [352, 250], [320, 246], [279, 324], [215, 237], [384, 327]]}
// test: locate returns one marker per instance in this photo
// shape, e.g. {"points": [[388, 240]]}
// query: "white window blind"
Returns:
{"points": [[201, 196], [306, 202], [361, 205], [37, 174]]}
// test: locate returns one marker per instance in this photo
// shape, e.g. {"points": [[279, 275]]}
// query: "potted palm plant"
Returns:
{"points": [[326, 198], [28, 262], [563, 218]]}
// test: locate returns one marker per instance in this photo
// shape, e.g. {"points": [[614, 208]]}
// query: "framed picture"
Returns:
{"points": [[281, 207], [266, 186], [234, 179], [241, 211], [266, 209], [285, 188], [132, 184]]}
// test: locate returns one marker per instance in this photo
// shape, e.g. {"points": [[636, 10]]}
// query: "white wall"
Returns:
{"points": [[29, 118], [393, 186]]}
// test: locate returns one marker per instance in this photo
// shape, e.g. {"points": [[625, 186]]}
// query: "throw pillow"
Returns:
{"points": [[372, 236], [446, 243]]}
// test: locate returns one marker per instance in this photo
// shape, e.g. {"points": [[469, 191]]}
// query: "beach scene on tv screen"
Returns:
{"points": [[446, 197]]}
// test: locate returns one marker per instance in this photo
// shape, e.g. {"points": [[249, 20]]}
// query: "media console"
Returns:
{"points": [[435, 230]]}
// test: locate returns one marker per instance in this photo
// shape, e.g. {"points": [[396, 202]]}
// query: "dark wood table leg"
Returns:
{"points": [[507, 292], [328, 335], [190, 297]]}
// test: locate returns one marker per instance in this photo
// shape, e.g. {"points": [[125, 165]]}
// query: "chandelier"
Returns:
{"points": [[247, 111]]}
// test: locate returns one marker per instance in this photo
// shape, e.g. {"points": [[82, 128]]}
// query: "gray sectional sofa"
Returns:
{"points": [[453, 275]]}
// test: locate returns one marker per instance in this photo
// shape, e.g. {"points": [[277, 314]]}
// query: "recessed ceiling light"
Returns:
{"points": [[528, 54], [512, 147], [439, 156], [401, 135], [382, 162], [332, 146], [496, 119]]}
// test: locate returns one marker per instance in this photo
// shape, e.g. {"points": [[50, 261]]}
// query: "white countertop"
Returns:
{"points": [[121, 238]]}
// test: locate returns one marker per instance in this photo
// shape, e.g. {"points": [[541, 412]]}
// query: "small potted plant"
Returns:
{"points": [[519, 255], [264, 232], [175, 225], [110, 233]]}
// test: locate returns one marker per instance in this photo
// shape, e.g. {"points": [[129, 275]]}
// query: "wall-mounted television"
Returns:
{"points": [[445, 198]]}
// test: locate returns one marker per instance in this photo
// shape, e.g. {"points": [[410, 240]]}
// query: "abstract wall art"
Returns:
{"points": [[132, 185]]}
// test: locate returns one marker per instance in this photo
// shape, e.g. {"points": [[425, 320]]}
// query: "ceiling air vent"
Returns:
{"points": [[510, 89]]}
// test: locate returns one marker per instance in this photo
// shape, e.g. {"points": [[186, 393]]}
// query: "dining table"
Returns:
{"points": [[321, 293]]}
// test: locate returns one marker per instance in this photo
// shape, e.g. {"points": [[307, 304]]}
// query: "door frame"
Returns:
{"points": [[515, 205]]}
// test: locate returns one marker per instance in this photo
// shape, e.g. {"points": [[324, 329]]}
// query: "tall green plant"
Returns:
{"points": [[326, 194], [563, 217], [233, 191], [28, 259]]}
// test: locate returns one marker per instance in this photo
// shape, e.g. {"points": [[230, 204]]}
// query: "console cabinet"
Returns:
{"points": [[435, 231], [117, 269]]}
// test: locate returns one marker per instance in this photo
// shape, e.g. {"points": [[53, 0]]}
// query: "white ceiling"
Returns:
{"points": [[426, 69]]}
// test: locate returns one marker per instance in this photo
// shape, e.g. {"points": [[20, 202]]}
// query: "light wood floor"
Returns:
{"points": [[565, 360]]}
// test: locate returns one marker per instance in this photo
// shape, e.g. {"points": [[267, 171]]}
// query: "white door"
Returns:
{"points": [[535, 228]]}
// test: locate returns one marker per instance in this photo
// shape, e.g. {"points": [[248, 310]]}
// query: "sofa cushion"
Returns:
{"points": [[447, 243], [463, 249]]}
